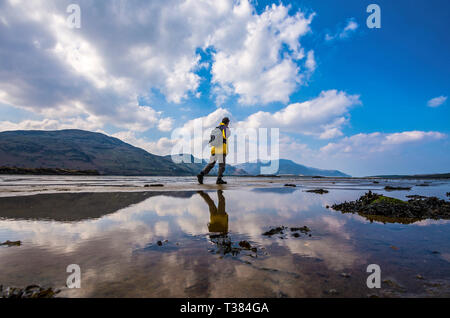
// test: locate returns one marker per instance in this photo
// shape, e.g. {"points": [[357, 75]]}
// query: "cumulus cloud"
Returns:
{"points": [[66, 75], [125, 49], [51, 124], [322, 116], [437, 101], [192, 137], [345, 32], [367, 144], [253, 64], [161, 147]]}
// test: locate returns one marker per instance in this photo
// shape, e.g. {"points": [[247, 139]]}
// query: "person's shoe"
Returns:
{"points": [[200, 178], [220, 181]]}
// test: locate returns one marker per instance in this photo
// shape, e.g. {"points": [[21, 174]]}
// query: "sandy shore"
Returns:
{"points": [[19, 185]]}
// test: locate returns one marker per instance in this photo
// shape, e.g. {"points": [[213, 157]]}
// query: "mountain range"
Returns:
{"points": [[289, 167], [84, 150]]}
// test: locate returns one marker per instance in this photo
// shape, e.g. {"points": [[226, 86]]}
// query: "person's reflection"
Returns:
{"points": [[218, 218], [218, 224]]}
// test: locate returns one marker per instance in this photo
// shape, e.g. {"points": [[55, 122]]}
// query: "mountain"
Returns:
{"points": [[416, 176], [289, 167], [197, 165], [82, 150]]}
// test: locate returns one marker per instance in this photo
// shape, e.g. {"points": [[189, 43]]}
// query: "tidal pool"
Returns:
{"points": [[187, 244]]}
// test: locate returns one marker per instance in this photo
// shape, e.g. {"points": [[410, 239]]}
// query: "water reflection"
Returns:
{"points": [[72, 207], [218, 216], [113, 237]]}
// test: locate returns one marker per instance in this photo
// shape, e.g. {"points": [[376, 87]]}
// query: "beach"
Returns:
{"points": [[170, 237]]}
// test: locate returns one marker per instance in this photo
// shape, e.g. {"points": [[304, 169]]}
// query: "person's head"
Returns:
{"points": [[226, 121]]}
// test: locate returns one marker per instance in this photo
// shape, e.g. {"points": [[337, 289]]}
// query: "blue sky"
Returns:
{"points": [[364, 101]]}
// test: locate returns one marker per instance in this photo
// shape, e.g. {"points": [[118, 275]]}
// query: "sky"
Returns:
{"points": [[366, 101]]}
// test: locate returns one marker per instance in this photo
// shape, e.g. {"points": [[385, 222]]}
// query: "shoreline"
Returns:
{"points": [[20, 185]]}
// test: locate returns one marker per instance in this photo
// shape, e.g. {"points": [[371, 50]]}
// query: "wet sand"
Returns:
{"points": [[30, 185]]}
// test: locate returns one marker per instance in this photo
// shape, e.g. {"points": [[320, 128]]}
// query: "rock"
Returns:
{"points": [[245, 245], [376, 182], [331, 292], [296, 235], [318, 191], [159, 243], [290, 185], [415, 196], [391, 188], [277, 230], [415, 208], [393, 285], [31, 291], [9, 243], [303, 229]]}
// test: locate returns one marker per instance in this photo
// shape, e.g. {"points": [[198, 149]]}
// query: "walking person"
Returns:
{"points": [[218, 152]]}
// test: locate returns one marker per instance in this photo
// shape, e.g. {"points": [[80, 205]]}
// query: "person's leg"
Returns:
{"points": [[210, 165], [207, 169], [209, 201], [222, 163], [221, 205]]}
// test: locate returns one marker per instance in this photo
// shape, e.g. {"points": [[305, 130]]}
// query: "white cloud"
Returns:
{"points": [[310, 63], [322, 116], [351, 26], [165, 124], [161, 147], [437, 101], [51, 124], [126, 49], [189, 130], [252, 64], [344, 33], [367, 144]]}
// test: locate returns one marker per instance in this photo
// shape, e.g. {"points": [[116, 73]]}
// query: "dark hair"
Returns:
{"points": [[226, 120]]}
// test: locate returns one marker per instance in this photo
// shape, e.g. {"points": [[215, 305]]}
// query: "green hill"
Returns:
{"points": [[82, 150]]}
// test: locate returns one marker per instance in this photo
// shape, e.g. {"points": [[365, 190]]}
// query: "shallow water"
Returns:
{"points": [[113, 237]]}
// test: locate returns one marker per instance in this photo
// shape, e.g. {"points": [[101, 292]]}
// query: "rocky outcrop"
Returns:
{"points": [[417, 207]]}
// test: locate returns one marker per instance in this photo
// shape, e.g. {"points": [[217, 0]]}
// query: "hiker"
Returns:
{"points": [[218, 153]]}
